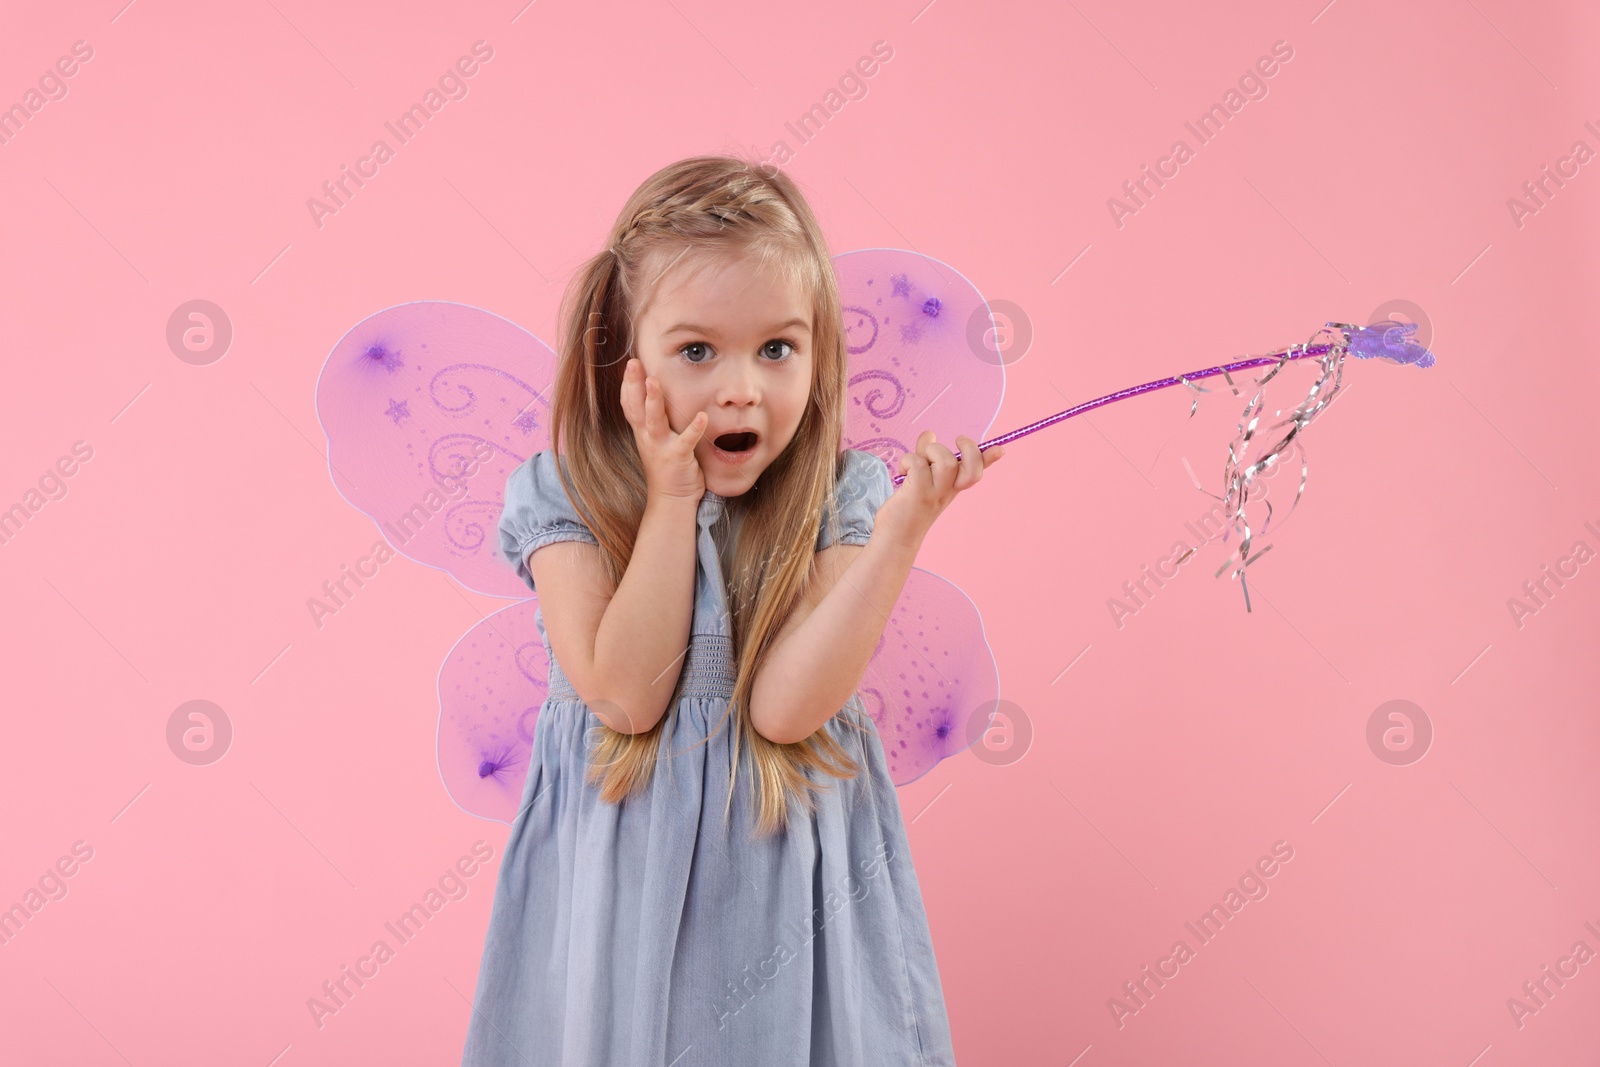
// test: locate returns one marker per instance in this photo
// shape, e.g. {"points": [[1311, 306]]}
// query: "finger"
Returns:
{"points": [[993, 454], [641, 397], [655, 410], [691, 433], [915, 468], [632, 407], [942, 463], [928, 444], [665, 411], [914, 458], [971, 462]]}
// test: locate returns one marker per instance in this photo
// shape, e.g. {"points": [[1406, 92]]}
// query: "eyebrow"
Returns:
{"points": [[689, 327]]}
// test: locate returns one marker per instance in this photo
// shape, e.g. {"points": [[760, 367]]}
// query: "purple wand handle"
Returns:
{"points": [[1389, 340]]}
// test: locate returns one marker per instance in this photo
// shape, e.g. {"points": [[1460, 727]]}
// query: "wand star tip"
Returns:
{"points": [[1387, 340]]}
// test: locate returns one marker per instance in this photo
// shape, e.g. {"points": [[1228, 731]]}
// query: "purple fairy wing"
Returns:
{"points": [[491, 687], [931, 673], [918, 336], [428, 407], [918, 333]]}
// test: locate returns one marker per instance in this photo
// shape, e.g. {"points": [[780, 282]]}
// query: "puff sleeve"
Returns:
{"points": [[863, 486], [537, 513]]}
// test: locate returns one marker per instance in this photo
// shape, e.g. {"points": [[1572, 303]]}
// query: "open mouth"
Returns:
{"points": [[736, 442]]}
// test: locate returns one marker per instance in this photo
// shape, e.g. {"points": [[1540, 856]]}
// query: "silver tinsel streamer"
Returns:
{"points": [[1392, 343]]}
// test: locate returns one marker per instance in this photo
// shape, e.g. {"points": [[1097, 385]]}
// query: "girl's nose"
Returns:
{"points": [[740, 383]]}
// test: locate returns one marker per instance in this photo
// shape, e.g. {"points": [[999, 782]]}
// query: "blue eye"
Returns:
{"points": [[766, 348]]}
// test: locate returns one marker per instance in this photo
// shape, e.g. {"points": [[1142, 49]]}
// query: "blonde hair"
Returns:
{"points": [[702, 207]]}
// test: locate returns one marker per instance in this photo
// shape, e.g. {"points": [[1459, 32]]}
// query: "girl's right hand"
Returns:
{"points": [[670, 466]]}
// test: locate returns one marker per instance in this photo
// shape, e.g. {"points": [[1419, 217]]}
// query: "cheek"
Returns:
{"points": [[675, 398], [795, 404], [683, 403]]}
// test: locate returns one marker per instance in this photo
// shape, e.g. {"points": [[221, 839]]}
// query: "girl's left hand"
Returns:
{"points": [[933, 478]]}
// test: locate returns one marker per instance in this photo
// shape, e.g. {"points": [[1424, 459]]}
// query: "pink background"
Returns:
{"points": [[1176, 750]]}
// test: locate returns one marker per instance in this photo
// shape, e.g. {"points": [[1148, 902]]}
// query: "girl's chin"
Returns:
{"points": [[728, 487], [727, 481]]}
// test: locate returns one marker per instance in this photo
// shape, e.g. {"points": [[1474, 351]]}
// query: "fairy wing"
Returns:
{"points": [[428, 407], [917, 333], [491, 687]]}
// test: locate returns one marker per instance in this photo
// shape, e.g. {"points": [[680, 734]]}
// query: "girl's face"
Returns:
{"points": [[736, 344]]}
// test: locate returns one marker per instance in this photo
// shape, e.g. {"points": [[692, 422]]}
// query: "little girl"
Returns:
{"points": [[680, 887]]}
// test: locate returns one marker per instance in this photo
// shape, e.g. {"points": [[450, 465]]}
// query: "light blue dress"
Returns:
{"points": [[649, 935]]}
